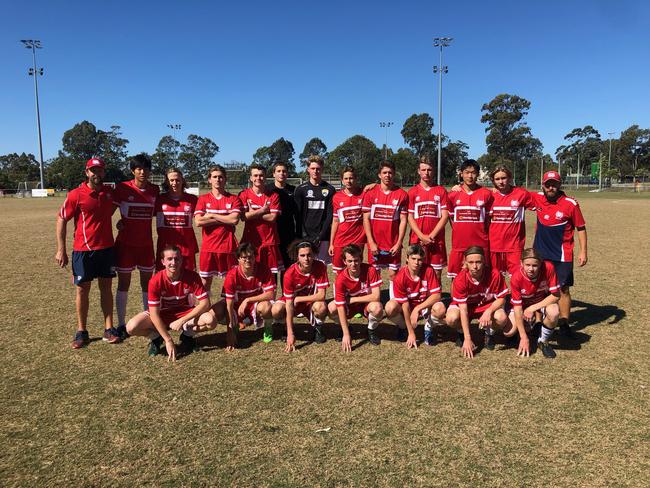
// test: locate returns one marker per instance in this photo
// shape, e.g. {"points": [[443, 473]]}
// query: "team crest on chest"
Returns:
{"points": [[436, 198], [164, 207], [209, 205], [325, 192], [395, 201], [417, 199], [546, 217], [130, 198], [514, 203], [458, 202], [559, 215], [228, 205], [341, 204], [310, 193], [187, 208], [479, 203]]}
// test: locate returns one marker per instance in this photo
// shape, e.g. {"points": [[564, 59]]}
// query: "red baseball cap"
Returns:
{"points": [[551, 175], [95, 163]]}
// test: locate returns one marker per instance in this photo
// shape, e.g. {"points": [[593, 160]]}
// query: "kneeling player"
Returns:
{"points": [[477, 292], [304, 288], [248, 290], [417, 294], [356, 292], [534, 292], [177, 301]]}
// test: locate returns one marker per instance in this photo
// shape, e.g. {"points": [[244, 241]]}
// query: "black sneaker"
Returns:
{"points": [[402, 334], [156, 347], [537, 330], [460, 339], [547, 350], [81, 339], [489, 342], [189, 343], [319, 336], [565, 331], [339, 336], [373, 338], [121, 331], [429, 338]]}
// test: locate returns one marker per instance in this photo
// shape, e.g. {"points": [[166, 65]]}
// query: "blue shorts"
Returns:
{"points": [[564, 272], [88, 265]]}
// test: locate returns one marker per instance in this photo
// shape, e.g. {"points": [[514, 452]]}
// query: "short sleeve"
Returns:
{"points": [[243, 198], [553, 285], [153, 292], [267, 280], [444, 200], [274, 203], [237, 205], [199, 208], [499, 287], [322, 280], [459, 290], [230, 285], [339, 289], [366, 203], [374, 278], [288, 287], [578, 219], [432, 280], [198, 289], [404, 205], [399, 290], [515, 289], [69, 207]]}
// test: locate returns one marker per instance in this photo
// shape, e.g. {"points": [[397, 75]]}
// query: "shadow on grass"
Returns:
{"points": [[588, 314]]}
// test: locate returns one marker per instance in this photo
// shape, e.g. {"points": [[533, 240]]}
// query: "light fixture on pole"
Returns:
{"points": [[440, 42], [174, 128], [609, 161], [35, 44], [385, 125]]}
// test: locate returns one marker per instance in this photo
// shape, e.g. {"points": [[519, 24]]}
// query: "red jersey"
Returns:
{"points": [[298, 284], [258, 231], [137, 209], [525, 292], [218, 238], [508, 220], [176, 298], [237, 287], [426, 206], [348, 287], [415, 291], [348, 213], [555, 224], [465, 289], [92, 211], [174, 222], [469, 213], [385, 209]]}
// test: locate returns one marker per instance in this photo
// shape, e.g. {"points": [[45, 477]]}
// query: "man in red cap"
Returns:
{"points": [[557, 217], [91, 206]]}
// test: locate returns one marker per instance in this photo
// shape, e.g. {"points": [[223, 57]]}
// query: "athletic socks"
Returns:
{"points": [[489, 331], [390, 290], [121, 297], [545, 335], [145, 301], [373, 322]]}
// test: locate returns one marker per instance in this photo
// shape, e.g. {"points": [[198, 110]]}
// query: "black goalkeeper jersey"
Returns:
{"points": [[314, 207]]}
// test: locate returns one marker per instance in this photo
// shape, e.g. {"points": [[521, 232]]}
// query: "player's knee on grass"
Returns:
{"points": [[319, 309], [509, 329], [499, 319], [264, 309], [552, 315], [207, 321], [452, 317], [140, 325], [278, 311], [332, 310], [438, 310], [393, 309], [376, 310], [218, 310]]}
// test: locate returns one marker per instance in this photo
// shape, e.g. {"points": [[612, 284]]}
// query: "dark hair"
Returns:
{"points": [[298, 244], [257, 166], [217, 167], [415, 249], [245, 248], [279, 163], [386, 164], [140, 161], [353, 250], [348, 169], [470, 163], [174, 169], [474, 250], [531, 253], [500, 169], [425, 159], [171, 247]]}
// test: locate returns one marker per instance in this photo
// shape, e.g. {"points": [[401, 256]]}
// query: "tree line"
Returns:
{"points": [[509, 141]]}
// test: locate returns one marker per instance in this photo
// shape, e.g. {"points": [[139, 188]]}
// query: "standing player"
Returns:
{"points": [[287, 219], [261, 209], [217, 213], [248, 289], [177, 301], [304, 292], [174, 211], [314, 204], [91, 206], [507, 232], [557, 217], [385, 210], [417, 294], [534, 291], [347, 223], [478, 292], [134, 243], [470, 220], [428, 216], [356, 291]]}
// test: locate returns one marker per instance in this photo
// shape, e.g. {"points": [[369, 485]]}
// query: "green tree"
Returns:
{"points": [[166, 154], [418, 135], [631, 152], [314, 147], [453, 154], [360, 153], [263, 156], [280, 150], [17, 168], [196, 156], [584, 146], [406, 164]]}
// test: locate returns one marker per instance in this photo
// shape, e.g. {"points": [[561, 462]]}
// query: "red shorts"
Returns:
{"points": [[215, 263], [130, 257], [456, 261], [168, 316], [355, 308], [507, 262], [338, 264], [271, 257], [303, 308], [189, 259], [436, 255], [473, 311], [391, 262]]}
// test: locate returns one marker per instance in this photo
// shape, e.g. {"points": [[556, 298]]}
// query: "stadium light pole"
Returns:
{"points": [[174, 128], [35, 44], [609, 161], [385, 125], [440, 42]]}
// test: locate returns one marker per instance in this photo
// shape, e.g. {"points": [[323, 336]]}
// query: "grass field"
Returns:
{"points": [[109, 415]]}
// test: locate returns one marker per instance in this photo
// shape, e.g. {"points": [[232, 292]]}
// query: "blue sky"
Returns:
{"points": [[247, 73]]}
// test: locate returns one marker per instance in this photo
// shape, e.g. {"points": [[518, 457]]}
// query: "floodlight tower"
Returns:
{"points": [[35, 44], [385, 125], [440, 42], [174, 128]]}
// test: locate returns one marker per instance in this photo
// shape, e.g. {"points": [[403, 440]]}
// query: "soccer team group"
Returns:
{"points": [[291, 235]]}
